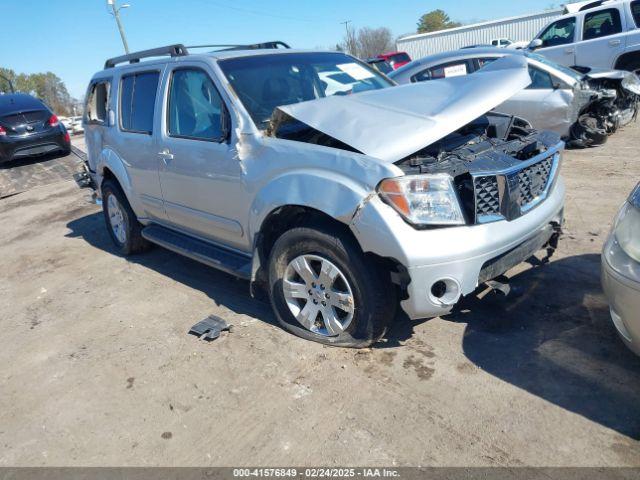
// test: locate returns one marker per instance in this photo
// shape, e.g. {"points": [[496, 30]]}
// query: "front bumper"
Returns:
{"points": [[621, 285], [41, 143], [457, 256]]}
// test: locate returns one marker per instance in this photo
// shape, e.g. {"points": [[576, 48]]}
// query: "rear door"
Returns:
{"points": [[559, 41], [200, 173], [137, 143], [603, 38], [544, 103]]}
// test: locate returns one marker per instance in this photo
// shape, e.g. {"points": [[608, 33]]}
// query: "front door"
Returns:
{"points": [[200, 174], [558, 42]]}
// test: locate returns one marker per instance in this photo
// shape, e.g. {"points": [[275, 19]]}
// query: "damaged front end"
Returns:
{"points": [[501, 168], [607, 101]]}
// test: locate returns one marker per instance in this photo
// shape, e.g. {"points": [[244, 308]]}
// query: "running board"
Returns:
{"points": [[200, 251]]}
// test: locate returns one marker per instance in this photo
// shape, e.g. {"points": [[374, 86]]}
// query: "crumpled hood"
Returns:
{"points": [[393, 123], [628, 80]]}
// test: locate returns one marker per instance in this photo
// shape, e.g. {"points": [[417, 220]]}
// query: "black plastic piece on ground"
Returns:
{"points": [[210, 328]]}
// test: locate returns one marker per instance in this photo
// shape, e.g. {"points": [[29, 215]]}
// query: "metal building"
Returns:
{"points": [[522, 28]]}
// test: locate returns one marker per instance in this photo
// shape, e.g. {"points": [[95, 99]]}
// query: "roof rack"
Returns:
{"points": [[177, 50], [254, 46]]}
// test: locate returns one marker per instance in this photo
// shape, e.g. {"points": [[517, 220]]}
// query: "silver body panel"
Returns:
{"points": [[554, 109], [222, 192], [621, 284]]}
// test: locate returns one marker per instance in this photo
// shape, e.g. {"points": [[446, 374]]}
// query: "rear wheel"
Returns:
{"points": [[322, 288], [122, 224]]}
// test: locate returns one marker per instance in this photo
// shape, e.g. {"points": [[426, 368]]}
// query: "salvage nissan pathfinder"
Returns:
{"points": [[344, 203]]}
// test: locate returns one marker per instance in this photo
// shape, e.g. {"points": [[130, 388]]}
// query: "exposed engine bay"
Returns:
{"points": [[490, 143], [607, 101]]}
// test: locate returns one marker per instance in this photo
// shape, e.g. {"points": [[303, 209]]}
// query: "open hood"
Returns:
{"points": [[393, 123]]}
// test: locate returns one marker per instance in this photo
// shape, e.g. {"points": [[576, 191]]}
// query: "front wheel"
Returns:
{"points": [[322, 288]]}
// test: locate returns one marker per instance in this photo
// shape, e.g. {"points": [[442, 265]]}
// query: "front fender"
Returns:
{"points": [[336, 195]]}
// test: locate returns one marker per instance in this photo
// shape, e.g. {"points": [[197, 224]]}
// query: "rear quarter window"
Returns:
{"points": [[97, 104], [137, 101]]}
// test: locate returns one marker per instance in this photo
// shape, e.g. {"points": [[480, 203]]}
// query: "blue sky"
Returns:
{"points": [[72, 38]]}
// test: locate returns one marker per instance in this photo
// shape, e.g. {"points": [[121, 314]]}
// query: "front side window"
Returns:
{"points": [[559, 33], [540, 80], [265, 82], [602, 24], [97, 104], [137, 101], [195, 107]]}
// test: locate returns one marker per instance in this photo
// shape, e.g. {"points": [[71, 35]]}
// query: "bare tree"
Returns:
{"points": [[367, 42], [374, 41]]}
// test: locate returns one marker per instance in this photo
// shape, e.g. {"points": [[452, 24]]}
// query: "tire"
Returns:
{"points": [[373, 299], [128, 237]]}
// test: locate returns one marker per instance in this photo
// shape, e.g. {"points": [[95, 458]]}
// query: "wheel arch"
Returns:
{"points": [[626, 59]]}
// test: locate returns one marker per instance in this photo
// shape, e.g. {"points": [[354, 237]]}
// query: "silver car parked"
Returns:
{"points": [[583, 108], [621, 271], [341, 203]]}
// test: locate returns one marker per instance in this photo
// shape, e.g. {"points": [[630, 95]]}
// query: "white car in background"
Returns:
{"points": [[67, 122], [77, 127], [603, 34]]}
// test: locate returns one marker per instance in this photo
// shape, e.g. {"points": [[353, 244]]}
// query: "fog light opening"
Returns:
{"points": [[445, 291]]}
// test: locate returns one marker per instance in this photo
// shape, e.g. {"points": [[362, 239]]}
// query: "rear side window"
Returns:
{"points": [[540, 80], [635, 10], [137, 101], [447, 70], [195, 107], [97, 106], [602, 24]]}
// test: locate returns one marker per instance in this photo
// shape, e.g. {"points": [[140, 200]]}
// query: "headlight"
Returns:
{"points": [[631, 83], [423, 199], [627, 227]]}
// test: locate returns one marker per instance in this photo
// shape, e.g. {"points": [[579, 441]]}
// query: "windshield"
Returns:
{"points": [[264, 82], [566, 70]]}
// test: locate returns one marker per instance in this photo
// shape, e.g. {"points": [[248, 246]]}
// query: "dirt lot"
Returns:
{"points": [[96, 367]]}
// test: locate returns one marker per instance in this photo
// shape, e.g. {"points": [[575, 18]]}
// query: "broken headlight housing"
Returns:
{"points": [[423, 199], [627, 226], [631, 83]]}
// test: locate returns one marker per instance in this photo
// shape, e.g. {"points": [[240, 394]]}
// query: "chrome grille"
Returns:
{"points": [[533, 180], [521, 191], [487, 195]]}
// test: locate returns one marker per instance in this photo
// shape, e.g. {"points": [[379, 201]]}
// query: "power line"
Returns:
{"points": [[267, 14]]}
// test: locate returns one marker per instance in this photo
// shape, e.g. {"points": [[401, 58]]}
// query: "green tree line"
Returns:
{"points": [[47, 86]]}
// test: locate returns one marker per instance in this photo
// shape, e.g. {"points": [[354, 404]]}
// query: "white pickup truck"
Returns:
{"points": [[602, 34]]}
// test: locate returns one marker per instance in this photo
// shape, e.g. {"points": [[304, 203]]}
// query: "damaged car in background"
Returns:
{"points": [[345, 205], [583, 108]]}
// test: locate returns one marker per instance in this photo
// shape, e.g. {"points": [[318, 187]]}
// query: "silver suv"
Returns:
{"points": [[305, 173]]}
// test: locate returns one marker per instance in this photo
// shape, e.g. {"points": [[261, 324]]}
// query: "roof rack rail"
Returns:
{"points": [[253, 46], [177, 50]]}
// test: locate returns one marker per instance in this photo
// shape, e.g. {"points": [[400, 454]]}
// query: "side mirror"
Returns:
{"points": [[535, 43]]}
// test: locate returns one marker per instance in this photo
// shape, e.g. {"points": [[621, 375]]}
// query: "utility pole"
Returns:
{"points": [[116, 14], [351, 41]]}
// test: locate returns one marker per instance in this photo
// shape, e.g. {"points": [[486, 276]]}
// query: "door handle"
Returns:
{"points": [[569, 51], [165, 154], [614, 43]]}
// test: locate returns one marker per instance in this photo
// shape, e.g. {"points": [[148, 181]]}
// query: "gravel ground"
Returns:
{"points": [[97, 368]]}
